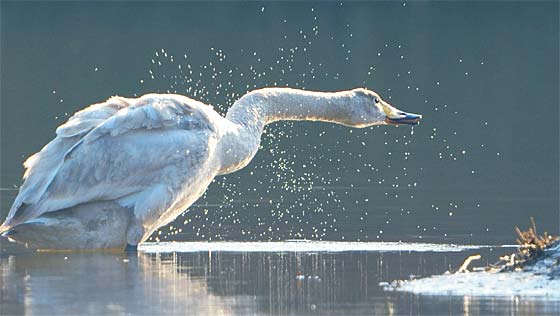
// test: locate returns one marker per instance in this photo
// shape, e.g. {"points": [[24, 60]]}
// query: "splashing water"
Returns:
{"points": [[294, 197]]}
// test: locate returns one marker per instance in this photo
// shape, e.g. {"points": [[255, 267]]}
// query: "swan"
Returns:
{"points": [[118, 170]]}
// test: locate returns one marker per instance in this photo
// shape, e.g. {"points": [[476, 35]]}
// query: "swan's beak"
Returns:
{"points": [[404, 118], [398, 117]]}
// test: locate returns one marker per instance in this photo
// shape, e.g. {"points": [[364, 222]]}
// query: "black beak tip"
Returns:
{"points": [[405, 119]]}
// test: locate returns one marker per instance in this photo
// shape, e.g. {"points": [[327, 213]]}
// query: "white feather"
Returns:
{"points": [[75, 156]]}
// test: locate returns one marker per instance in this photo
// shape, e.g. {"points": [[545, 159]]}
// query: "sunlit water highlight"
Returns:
{"points": [[305, 246]]}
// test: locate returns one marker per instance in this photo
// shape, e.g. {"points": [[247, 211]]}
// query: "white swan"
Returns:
{"points": [[120, 169]]}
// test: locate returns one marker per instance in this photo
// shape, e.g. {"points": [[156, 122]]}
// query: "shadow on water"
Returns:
{"points": [[226, 283]]}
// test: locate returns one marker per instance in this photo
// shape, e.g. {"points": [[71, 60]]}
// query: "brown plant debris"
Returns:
{"points": [[531, 249]]}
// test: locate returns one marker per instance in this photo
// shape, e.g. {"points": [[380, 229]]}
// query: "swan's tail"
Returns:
{"points": [[22, 214], [5, 230]]}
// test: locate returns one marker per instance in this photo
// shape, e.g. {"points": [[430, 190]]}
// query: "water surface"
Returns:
{"points": [[241, 283]]}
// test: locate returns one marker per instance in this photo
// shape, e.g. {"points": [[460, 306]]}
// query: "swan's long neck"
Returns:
{"points": [[254, 110], [264, 106]]}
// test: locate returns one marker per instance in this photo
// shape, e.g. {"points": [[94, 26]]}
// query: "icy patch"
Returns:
{"points": [[483, 284], [540, 279], [303, 246]]}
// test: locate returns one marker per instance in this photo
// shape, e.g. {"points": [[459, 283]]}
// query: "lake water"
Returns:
{"points": [[249, 282], [484, 159]]}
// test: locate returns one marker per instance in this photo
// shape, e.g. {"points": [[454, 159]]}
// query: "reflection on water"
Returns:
{"points": [[226, 283]]}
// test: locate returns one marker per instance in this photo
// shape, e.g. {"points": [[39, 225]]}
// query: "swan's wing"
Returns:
{"points": [[86, 150], [155, 112], [40, 166]]}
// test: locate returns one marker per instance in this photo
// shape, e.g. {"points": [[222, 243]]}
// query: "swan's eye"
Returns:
{"points": [[377, 100]]}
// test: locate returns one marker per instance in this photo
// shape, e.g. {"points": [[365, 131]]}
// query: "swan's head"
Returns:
{"points": [[370, 109]]}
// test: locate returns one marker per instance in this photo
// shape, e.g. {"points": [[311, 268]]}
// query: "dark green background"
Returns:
{"points": [[497, 99]]}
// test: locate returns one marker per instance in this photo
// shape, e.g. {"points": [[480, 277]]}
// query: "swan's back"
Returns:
{"points": [[114, 117]]}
